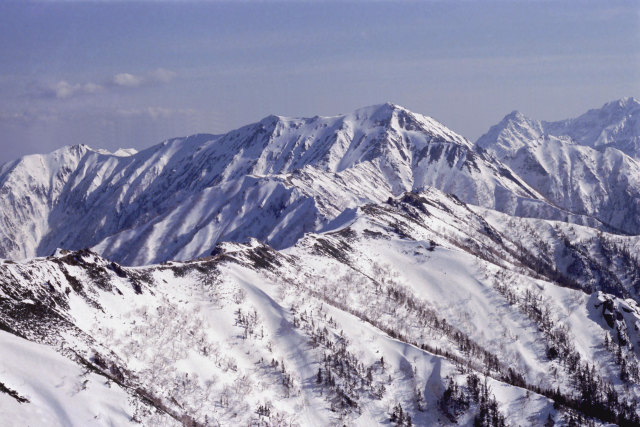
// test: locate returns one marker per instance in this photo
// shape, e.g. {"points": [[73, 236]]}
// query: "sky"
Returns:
{"points": [[114, 74]]}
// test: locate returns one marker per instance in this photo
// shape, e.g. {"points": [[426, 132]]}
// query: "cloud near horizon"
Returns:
{"points": [[66, 90], [127, 80]]}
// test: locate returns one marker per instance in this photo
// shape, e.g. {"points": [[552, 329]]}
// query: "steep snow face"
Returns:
{"points": [[402, 304], [273, 180], [30, 188], [571, 166]]}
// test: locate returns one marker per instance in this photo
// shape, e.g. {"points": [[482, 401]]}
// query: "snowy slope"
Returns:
{"points": [[49, 389], [273, 180], [578, 164], [407, 303]]}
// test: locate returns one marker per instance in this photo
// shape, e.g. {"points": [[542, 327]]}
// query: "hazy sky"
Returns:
{"points": [[130, 74]]}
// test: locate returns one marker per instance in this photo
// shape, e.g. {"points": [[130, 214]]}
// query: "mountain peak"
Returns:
{"points": [[516, 119], [625, 101], [389, 107], [377, 112], [385, 106], [513, 132], [628, 103], [270, 120], [514, 115]]}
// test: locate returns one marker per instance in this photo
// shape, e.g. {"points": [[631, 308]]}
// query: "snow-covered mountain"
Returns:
{"points": [[273, 180], [416, 311], [588, 165], [373, 268]]}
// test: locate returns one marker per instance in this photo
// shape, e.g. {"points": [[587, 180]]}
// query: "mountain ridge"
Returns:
{"points": [[278, 163]]}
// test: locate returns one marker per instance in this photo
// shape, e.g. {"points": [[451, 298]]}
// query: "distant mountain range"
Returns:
{"points": [[281, 177]]}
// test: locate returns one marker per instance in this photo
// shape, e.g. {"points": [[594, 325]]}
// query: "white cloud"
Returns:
{"points": [[158, 76], [127, 80], [65, 90]]}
